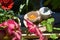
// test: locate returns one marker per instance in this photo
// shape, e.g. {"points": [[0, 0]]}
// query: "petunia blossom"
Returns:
{"points": [[12, 28], [33, 29]]}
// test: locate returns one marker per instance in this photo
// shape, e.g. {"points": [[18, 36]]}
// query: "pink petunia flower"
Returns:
{"points": [[12, 28], [33, 29]]}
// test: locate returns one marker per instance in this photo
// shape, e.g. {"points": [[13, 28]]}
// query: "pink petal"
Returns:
{"points": [[9, 31], [33, 29], [14, 38], [11, 26], [17, 35]]}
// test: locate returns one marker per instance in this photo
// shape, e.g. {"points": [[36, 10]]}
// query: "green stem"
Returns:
{"points": [[56, 28], [27, 1]]}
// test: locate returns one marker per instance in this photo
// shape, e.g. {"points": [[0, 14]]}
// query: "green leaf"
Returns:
{"points": [[44, 22], [50, 20], [53, 36], [50, 24], [5, 15], [49, 27], [10, 12], [1, 10], [1, 14], [21, 7]]}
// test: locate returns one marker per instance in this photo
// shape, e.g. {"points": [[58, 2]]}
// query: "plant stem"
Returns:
{"points": [[27, 1], [56, 28]]}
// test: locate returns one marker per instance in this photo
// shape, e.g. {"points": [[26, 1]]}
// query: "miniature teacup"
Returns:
{"points": [[45, 12]]}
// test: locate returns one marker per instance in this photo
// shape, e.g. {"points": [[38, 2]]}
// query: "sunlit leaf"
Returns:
{"points": [[53, 36], [49, 27], [44, 22]]}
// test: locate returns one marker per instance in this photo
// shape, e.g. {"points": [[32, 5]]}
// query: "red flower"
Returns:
{"points": [[6, 4]]}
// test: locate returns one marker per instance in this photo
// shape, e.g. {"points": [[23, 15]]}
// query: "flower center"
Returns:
{"points": [[32, 17]]}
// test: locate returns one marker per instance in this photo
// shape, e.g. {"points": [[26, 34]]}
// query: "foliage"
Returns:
{"points": [[54, 3], [53, 36], [4, 15], [49, 26], [24, 6], [48, 23]]}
